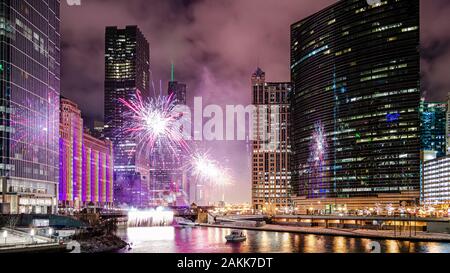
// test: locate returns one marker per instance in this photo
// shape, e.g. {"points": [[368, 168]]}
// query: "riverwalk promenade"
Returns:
{"points": [[20, 241], [356, 233]]}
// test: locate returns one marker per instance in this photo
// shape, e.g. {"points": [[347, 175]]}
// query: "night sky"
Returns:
{"points": [[215, 46]]}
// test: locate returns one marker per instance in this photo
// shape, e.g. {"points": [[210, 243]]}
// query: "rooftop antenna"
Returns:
{"points": [[172, 73]]}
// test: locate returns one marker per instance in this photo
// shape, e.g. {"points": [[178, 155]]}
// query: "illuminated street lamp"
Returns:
{"points": [[5, 235], [32, 234], [50, 233]]}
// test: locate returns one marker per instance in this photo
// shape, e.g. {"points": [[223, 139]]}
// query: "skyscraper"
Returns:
{"points": [[168, 181], [433, 117], [177, 90], [271, 148], [127, 69], [355, 120], [29, 105], [71, 149]]}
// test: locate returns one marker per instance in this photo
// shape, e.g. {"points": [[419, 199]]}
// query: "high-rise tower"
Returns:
{"points": [[168, 180], [127, 70], [433, 120], [271, 148], [355, 106], [29, 105]]}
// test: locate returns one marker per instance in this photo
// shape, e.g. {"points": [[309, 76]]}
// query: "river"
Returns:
{"points": [[212, 240]]}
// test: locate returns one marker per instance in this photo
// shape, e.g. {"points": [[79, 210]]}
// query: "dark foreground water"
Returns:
{"points": [[212, 240]]}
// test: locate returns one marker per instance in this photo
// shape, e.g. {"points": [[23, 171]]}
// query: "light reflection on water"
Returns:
{"points": [[212, 240]]}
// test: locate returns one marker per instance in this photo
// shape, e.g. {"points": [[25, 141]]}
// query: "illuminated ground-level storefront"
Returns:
{"points": [[28, 197], [436, 182], [377, 204]]}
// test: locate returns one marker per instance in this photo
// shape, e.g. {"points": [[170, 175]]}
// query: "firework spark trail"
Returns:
{"points": [[318, 144], [318, 153], [155, 122], [208, 171]]}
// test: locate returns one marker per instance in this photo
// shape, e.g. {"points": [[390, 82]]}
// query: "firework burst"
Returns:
{"points": [[208, 171], [319, 145], [318, 156], [155, 122]]}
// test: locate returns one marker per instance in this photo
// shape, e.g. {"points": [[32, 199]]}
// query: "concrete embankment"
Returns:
{"points": [[356, 233]]}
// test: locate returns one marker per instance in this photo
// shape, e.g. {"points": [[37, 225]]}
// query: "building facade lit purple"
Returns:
{"points": [[86, 164]]}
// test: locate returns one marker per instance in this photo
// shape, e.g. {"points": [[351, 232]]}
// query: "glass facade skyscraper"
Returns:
{"points": [[355, 105], [29, 105], [178, 91], [127, 70], [433, 117]]}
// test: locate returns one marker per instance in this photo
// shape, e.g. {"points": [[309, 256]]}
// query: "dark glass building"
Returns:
{"points": [[433, 120], [29, 105], [355, 106], [127, 69]]}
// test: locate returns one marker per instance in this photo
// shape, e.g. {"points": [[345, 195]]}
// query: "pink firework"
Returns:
{"points": [[318, 148], [318, 154], [155, 122]]}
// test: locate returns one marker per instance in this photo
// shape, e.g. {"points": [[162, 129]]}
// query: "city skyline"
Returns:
{"points": [[233, 126], [212, 64]]}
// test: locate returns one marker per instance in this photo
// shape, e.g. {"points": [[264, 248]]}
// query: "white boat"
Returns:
{"points": [[182, 222], [236, 236]]}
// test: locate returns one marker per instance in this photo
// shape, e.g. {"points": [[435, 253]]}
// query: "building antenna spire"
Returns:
{"points": [[172, 72]]}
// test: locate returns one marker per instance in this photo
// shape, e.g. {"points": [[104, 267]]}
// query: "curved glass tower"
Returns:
{"points": [[355, 120]]}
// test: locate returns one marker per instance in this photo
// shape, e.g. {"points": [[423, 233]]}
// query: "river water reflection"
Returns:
{"points": [[212, 240]]}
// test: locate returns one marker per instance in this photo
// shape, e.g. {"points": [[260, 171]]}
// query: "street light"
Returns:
{"points": [[50, 233], [5, 235], [32, 233]]}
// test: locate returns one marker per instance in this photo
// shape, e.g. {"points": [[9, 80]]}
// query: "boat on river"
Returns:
{"points": [[236, 236]]}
